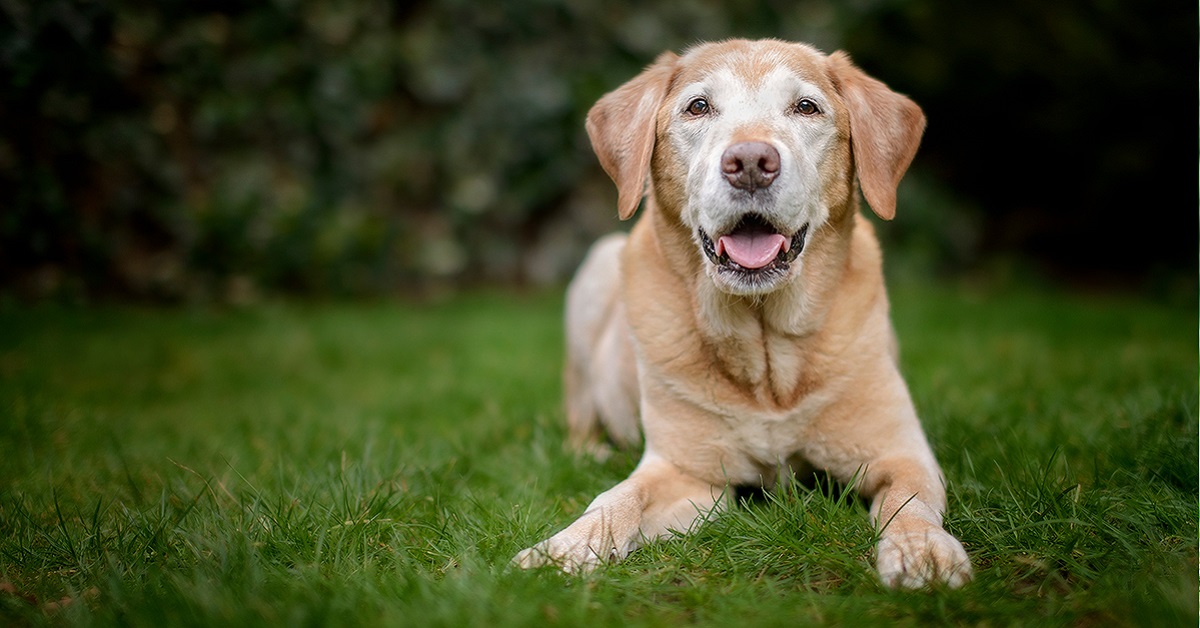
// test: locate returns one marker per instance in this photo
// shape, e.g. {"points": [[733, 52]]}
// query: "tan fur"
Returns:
{"points": [[735, 382]]}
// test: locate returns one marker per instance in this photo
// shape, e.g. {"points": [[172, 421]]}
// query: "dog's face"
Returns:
{"points": [[754, 146], [758, 140]]}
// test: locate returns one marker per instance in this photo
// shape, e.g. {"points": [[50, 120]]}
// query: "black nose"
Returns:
{"points": [[750, 165]]}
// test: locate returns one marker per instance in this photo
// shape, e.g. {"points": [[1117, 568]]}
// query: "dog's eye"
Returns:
{"points": [[807, 107], [698, 107]]}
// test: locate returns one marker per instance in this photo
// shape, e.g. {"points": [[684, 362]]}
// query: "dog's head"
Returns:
{"points": [[755, 146]]}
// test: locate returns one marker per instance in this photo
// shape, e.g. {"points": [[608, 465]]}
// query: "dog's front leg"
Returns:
{"points": [[907, 502], [656, 500]]}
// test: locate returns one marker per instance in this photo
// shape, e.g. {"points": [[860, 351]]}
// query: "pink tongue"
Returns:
{"points": [[752, 250]]}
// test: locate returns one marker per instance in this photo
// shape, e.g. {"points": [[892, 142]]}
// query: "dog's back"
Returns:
{"points": [[600, 375]]}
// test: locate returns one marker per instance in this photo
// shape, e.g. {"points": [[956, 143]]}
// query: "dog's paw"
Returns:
{"points": [[911, 560], [570, 556]]}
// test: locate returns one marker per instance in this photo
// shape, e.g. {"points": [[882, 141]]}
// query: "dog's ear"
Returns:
{"points": [[621, 126], [885, 130]]}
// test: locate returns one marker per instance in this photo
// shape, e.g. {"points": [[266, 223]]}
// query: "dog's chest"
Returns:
{"points": [[770, 370], [774, 390], [765, 440]]}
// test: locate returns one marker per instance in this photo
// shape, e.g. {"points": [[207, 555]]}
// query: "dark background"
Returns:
{"points": [[223, 151]]}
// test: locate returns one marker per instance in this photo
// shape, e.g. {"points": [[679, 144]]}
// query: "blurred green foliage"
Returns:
{"points": [[217, 150], [179, 149]]}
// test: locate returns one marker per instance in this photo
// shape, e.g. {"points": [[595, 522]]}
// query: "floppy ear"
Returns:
{"points": [[622, 128], [885, 129]]}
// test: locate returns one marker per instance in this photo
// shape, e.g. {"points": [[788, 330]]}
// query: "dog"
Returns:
{"points": [[741, 329]]}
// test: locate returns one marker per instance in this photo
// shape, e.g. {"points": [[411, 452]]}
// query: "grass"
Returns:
{"points": [[378, 464]]}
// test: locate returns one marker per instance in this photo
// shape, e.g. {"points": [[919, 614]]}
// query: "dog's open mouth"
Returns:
{"points": [[754, 247]]}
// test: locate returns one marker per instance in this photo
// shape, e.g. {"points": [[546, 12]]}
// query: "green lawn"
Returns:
{"points": [[367, 464]]}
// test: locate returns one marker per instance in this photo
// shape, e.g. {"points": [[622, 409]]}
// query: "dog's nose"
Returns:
{"points": [[750, 165]]}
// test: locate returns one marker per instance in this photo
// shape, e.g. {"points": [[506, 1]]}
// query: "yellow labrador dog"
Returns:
{"points": [[744, 318]]}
